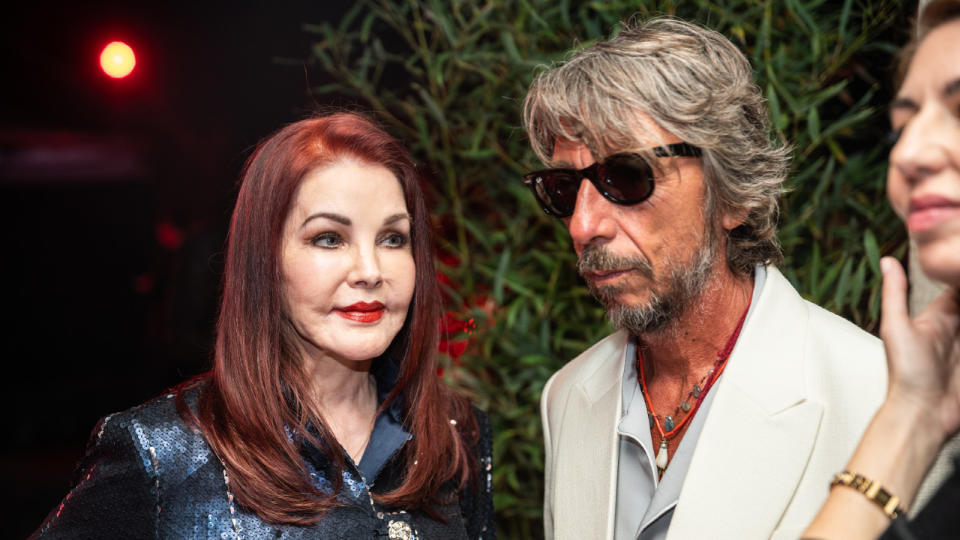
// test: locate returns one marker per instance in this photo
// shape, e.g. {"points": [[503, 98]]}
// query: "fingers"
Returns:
{"points": [[894, 314]]}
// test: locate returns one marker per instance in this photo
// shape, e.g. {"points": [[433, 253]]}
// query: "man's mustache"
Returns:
{"points": [[597, 258]]}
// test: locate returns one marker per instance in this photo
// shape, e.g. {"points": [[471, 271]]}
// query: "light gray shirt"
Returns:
{"points": [[645, 505]]}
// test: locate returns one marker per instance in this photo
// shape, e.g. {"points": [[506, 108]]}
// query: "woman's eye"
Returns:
{"points": [[327, 240], [395, 240]]}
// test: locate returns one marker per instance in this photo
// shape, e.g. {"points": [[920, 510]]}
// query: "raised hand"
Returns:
{"points": [[923, 353]]}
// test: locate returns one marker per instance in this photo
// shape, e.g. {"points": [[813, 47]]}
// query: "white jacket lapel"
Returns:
{"points": [[590, 462], [760, 430]]}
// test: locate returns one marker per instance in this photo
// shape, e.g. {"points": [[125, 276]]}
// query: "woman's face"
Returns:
{"points": [[347, 261], [924, 178]]}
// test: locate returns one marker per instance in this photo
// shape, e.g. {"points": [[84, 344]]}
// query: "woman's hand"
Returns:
{"points": [[921, 411], [923, 353]]}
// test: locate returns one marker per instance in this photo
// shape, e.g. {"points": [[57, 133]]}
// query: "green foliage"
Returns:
{"points": [[449, 78]]}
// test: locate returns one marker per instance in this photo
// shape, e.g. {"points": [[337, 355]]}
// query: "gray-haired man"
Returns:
{"points": [[725, 402]]}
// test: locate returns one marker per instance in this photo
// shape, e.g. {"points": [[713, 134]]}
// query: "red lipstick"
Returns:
{"points": [[362, 312], [928, 211]]}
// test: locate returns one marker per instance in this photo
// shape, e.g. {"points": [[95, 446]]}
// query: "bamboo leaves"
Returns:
{"points": [[449, 78]]}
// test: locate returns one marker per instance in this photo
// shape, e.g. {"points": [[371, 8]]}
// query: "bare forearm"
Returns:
{"points": [[896, 450]]}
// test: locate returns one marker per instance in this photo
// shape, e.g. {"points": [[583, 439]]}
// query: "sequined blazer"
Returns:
{"points": [[147, 474]]}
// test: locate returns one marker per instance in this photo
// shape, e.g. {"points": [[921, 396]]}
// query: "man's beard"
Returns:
{"points": [[670, 296]]}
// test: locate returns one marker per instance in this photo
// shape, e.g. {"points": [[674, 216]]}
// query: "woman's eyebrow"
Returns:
{"points": [[903, 103], [343, 220], [397, 217], [952, 87]]}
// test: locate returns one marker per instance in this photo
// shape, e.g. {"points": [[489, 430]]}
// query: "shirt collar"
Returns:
{"points": [[388, 435], [386, 371]]}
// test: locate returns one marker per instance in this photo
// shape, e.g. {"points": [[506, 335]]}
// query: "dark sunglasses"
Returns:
{"points": [[621, 178]]}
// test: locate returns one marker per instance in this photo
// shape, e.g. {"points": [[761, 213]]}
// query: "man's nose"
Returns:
{"points": [[592, 219]]}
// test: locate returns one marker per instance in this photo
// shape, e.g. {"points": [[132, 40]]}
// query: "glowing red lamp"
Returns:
{"points": [[117, 59]]}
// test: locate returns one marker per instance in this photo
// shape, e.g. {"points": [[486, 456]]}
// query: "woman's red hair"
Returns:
{"points": [[257, 393]]}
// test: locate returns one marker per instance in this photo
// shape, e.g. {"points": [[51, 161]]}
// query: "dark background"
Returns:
{"points": [[114, 201]]}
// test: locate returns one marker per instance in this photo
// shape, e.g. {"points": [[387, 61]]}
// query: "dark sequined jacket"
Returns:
{"points": [[147, 474]]}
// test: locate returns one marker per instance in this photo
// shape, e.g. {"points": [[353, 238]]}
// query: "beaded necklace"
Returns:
{"points": [[668, 421], [669, 427]]}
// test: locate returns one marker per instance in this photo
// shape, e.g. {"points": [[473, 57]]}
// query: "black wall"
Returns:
{"points": [[114, 201]]}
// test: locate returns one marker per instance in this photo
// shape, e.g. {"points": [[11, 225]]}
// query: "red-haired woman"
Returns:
{"points": [[323, 416]]}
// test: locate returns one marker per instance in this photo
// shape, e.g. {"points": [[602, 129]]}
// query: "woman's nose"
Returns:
{"points": [[921, 149], [366, 271]]}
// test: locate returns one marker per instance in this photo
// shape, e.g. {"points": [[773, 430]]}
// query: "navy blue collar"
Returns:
{"points": [[386, 372], [388, 434]]}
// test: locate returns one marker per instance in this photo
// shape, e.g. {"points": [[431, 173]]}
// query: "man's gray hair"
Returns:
{"points": [[694, 83]]}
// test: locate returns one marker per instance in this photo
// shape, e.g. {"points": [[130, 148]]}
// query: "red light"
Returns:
{"points": [[117, 60]]}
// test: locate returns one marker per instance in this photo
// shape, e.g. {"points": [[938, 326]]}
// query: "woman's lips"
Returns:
{"points": [[928, 211], [362, 312]]}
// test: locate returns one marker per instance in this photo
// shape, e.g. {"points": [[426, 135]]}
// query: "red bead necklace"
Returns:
{"points": [[698, 393]]}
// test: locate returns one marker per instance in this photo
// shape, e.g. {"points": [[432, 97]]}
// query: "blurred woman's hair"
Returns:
{"points": [[931, 15]]}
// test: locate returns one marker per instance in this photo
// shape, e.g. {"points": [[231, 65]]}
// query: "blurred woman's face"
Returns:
{"points": [[347, 261], [923, 182]]}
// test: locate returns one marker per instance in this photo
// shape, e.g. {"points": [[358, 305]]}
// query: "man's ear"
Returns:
{"points": [[731, 221]]}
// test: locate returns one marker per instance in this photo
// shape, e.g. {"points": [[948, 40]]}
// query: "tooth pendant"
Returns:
{"points": [[662, 457]]}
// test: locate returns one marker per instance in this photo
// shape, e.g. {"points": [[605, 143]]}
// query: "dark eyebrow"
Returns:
{"points": [[397, 217], [952, 87], [343, 220], [903, 103]]}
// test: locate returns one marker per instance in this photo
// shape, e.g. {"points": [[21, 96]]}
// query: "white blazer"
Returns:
{"points": [[796, 395]]}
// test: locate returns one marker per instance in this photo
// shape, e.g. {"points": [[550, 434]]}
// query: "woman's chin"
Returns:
{"points": [[360, 355], [941, 262]]}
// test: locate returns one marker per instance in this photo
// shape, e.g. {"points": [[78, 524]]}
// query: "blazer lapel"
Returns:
{"points": [[759, 431], [587, 468]]}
